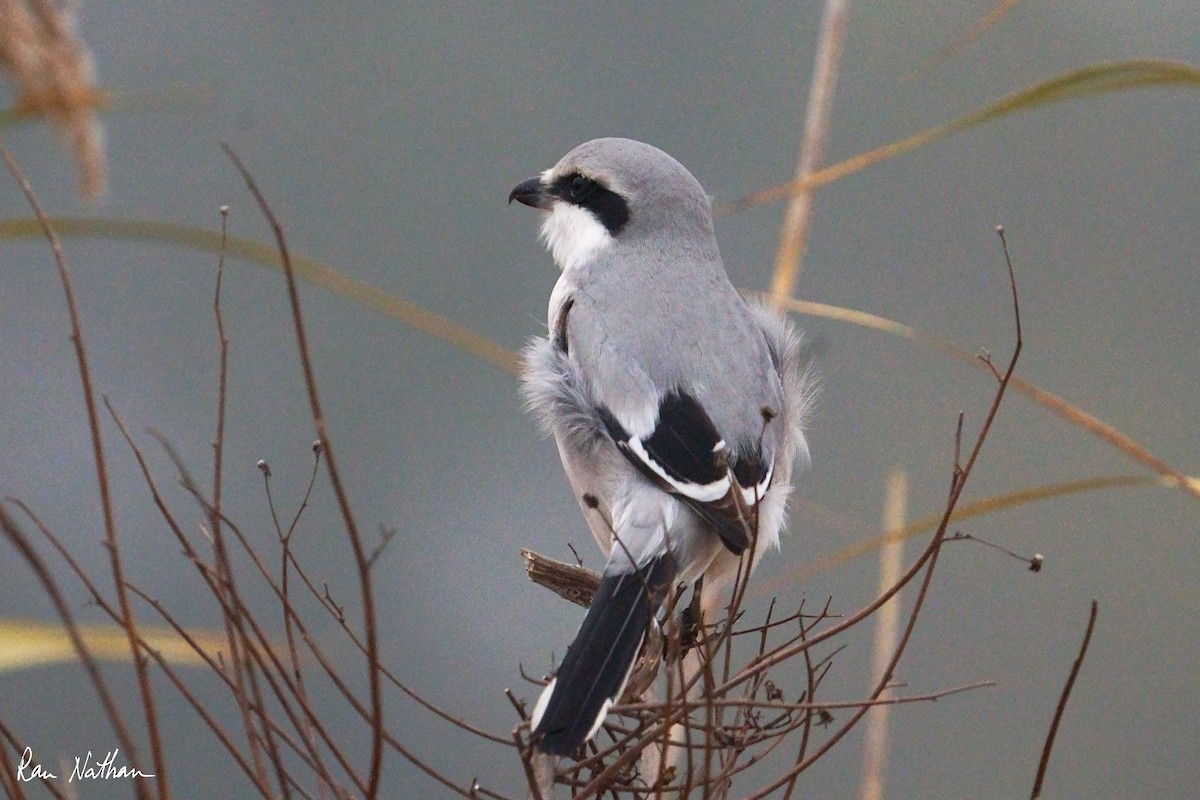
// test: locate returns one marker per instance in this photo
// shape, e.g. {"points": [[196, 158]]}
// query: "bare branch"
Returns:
{"points": [[343, 500], [110, 526], [35, 562], [572, 582], [1062, 704]]}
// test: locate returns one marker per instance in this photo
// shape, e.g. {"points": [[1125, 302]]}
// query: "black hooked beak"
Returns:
{"points": [[530, 193]]}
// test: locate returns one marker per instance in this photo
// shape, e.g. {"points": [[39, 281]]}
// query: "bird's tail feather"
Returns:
{"points": [[597, 665]]}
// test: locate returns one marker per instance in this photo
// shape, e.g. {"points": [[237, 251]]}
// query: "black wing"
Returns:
{"points": [[686, 456]]}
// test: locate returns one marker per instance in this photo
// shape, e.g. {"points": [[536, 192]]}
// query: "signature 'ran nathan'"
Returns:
{"points": [[85, 768]]}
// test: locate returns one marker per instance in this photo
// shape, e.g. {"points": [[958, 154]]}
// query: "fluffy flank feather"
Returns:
{"points": [[557, 394], [801, 384]]}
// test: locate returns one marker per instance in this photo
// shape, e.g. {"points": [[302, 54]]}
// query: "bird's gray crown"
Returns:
{"points": [[650, 182]]}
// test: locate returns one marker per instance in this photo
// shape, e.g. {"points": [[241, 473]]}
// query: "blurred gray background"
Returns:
{"points": [[387, 138]]}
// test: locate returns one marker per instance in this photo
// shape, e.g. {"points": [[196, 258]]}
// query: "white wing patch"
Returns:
{"points": [[539, 708], [608, 704], [700, 492], [600, 718]]}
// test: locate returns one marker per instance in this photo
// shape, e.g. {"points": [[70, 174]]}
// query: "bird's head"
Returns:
{"points": [[609, 190]]}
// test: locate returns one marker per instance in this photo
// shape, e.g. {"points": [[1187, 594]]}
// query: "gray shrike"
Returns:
{"points": [[677, 406]]}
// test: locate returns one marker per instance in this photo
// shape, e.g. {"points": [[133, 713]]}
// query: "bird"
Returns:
{"points": [[677, 405]]}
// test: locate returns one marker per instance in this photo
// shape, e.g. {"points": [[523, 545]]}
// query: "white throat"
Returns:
{"points": [[574, 236]]}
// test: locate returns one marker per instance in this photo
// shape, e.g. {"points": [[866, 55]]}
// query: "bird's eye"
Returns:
{"points": [[581, 187]]}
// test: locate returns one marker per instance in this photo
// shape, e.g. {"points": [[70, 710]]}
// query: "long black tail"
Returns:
{"points": [[593, 672]]}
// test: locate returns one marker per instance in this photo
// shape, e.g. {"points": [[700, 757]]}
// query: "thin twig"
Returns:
{"points": [[1062, 704], [338, 682], [38, 565], [225, 578], [961, 472], [246, 661], [254, 647], [285, 597], [1035, 562], [798, 575], [535, 791], [106, 502], [783, 654], [890, 700], [809, 694], [231, 608], [343, 500], [253, 773], [218, 444], [933, 550]]}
